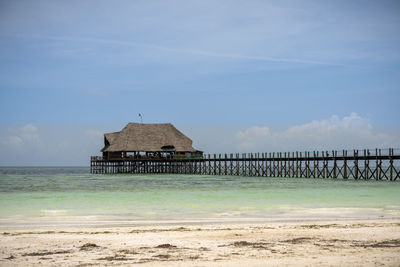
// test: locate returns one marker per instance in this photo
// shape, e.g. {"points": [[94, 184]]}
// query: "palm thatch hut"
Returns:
{"points": [[150, 140]]}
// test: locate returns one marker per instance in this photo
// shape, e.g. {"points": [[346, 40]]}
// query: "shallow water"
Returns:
{"points": [[73, 194]]}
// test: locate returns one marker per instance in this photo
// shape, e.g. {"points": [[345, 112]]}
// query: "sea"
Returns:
{"points": [[73, 196]]}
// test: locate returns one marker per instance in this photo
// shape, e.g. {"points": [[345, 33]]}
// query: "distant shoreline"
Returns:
{"points": [[85, 222]]}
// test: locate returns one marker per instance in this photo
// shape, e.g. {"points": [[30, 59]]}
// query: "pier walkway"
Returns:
{"points": [[377, 164]]}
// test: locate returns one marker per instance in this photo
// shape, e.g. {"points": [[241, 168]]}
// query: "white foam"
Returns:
{"points": [[54, 212]]}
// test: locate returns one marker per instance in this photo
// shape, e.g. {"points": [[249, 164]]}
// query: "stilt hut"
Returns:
{"points": [[150, 140]]}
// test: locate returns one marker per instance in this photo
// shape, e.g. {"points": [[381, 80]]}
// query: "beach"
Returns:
{"points": [[304, 243], [67, 216]]}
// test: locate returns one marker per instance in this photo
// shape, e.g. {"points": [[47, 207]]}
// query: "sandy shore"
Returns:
{"points": [[338, 243]]}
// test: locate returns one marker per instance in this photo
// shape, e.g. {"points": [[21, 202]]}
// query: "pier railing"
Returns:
{"points": [[378, 164]]}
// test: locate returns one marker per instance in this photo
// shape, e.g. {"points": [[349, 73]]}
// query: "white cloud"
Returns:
{"points": [[14, 141], [27, 135], [30, 134], [67, 145], [349, 132], [49, 146], [249, 137]]}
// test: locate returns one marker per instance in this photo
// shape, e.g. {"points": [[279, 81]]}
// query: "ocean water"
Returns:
{"points": [[70, 195]]}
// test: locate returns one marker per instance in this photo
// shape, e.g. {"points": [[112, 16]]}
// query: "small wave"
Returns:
{"points": [[54, 212], [228, 214]]}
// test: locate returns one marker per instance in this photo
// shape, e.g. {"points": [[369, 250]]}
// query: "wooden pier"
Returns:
{"points": [[377, 164]]}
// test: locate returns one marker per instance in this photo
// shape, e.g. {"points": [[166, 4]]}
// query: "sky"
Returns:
{"points": [[234, 76]]}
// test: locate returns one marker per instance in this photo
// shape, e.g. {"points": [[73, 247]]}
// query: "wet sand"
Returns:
{"points": [[322, 243]]}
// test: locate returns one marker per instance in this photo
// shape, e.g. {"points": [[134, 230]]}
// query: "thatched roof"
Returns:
{"points": [[149, 137]]}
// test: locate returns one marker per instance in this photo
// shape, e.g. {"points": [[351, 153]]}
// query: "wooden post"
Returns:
{"points": [[380, 164], [273, 165], [209, 165], [391, 163], [378, 169], [366, 163], [230, 166], [219, 164], [301, 164], [240, 164], [355, 155], [215, 164], [200, 166], [376, 165], [317, 165], [344, 164], [251, 164], [334, 164], [369, 168], [309, 165], [279, 169], [256, 169], [204, 165], [306, 163], [225, 168], [248, 172], [285, 165], [314, 167], [263, 164], [323, 164], [280, 165], [237, 162], [293, 164], [244, 166]]}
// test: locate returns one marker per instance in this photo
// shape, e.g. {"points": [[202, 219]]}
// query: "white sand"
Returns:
{"points": [[338, 243]]}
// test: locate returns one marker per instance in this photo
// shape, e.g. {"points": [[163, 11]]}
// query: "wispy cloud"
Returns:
{"points": [[197, 52]]}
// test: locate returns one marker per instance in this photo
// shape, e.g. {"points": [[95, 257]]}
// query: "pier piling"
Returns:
{"points": [[370, 164]]}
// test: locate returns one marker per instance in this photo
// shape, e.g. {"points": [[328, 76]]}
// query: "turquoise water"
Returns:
{"points": [[72, 194]]}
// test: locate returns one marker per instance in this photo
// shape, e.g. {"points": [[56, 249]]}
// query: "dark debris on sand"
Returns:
{"points": [[393, 243], [298, 240], [88, 246], [165, 246], [116, 257], [250, 244], [45, 253]]}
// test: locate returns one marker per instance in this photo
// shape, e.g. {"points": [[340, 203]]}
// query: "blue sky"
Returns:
{"points": [[232, 75]]}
